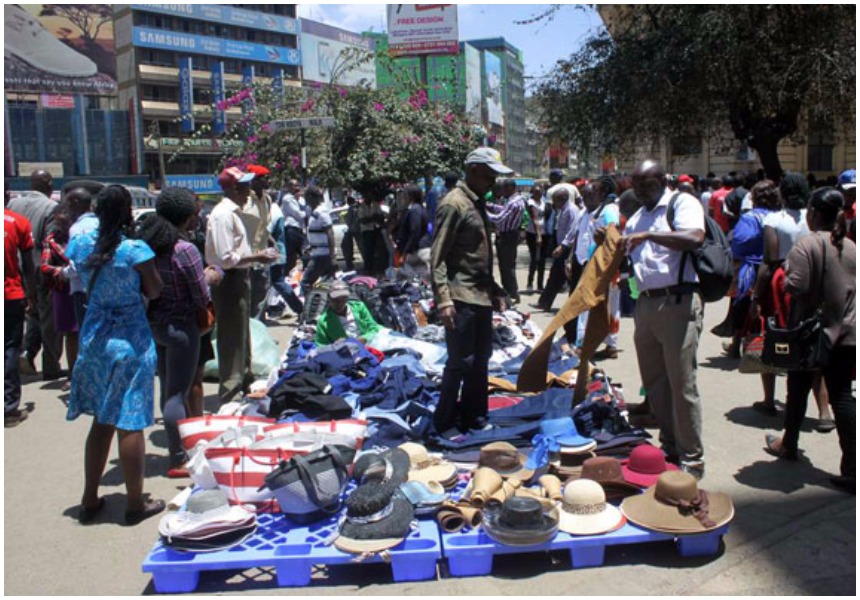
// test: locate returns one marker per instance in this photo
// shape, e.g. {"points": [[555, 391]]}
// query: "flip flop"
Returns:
{"points": [[87, 515], [774, 447], [150, 509], [825, 425]]}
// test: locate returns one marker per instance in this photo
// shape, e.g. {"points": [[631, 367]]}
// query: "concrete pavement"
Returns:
{"points": [[792, 534]]}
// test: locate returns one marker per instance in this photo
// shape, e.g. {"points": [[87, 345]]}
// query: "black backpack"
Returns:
{"points": [[712, 260]]}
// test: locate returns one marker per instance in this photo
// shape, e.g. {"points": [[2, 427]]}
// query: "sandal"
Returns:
{"points": [[766, 408], [774, 447], [825, 425], [150, 509], [87, 515]]}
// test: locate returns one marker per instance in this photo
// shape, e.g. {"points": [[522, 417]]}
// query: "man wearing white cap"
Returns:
{"points": [[228, 249], [465, 293]]}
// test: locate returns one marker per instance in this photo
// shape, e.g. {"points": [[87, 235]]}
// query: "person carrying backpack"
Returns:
{"points": [[669, 310]]}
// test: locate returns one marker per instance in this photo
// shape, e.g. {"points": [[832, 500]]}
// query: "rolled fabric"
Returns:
{"points": [[472, 516], [552, 486], [509, 487], [451, 519], [485, 483]]}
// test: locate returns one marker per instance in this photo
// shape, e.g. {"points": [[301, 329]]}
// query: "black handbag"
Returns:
{"points": [[309, 488], [804, 347]]}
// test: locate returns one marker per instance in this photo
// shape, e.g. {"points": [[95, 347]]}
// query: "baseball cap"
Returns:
{"points": [[338, 289], [489, 157], [685, 179], [233, 175], [556, 173], [258, 170], [848, 179]]}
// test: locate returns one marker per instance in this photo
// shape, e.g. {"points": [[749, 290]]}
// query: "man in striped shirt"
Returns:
{"points": [[507, 219], [320, 240], [567, 223]]}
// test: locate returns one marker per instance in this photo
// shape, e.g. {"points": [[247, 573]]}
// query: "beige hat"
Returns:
{"points": [[584, 510], [675, 504], [426, 468], [505, 460]]}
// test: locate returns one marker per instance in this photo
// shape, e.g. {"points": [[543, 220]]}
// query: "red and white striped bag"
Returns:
{"points": [[355, 429], [208, 427], [241, 472]]}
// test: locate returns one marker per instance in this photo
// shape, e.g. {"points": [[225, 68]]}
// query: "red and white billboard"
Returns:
{"points": [[416, 29]]}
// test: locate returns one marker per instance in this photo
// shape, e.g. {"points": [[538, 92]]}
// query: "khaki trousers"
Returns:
{"points": [[232, 298]]}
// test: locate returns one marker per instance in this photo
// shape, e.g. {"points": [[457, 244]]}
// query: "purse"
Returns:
{"points": [[804, 347], [752, 347], [241, 473], [309, 488], [206, 318]]}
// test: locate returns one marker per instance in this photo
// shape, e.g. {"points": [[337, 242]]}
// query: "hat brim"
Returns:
{"points": [[522, 473], [499, 168], [335, 294], [608, 520], [400, 464], [508, 536], [576, 445], [441, 473], [646, 511], [643, 480], [246, 178], [395, 526], [848, 186]]}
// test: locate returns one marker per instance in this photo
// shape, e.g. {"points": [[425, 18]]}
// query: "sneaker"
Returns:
{"points": [[724, 329], [27, 40], [481, 424], [15, 417], [825, 425], [697, 470]]}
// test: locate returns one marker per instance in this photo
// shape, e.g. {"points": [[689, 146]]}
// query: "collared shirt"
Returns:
{"points": [[184, 288], [567, 223], [83, 225], [226, 236], [507, 218], [461, 258], [657, 266], [294, 214], [255, 216], [318, 228]]}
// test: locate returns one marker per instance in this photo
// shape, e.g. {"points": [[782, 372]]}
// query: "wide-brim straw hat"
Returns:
{"points": [[673, 503], [426, 468], [585, 511]]}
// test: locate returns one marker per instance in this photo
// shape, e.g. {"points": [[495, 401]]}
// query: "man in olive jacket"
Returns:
{"points": [[466, 294]]}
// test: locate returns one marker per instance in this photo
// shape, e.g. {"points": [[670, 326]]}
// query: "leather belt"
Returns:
{"points": [[672, 290]]}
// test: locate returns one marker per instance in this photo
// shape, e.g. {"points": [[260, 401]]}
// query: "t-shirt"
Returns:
{"points": [[317, 237], [538, 206], [657, 266], [790, 225], [17, 237], [350, 326], [716, 204]]}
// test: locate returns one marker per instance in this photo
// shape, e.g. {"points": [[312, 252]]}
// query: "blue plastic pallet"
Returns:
{"points": [[292, 551], [470, 553]]}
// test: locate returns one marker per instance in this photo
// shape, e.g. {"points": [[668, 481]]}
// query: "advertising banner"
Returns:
{"points": [[493, 70], [57, 101], [59, 48], [146, 37], [219, 91], [473, 82], [186, 94], [201, 184], [226, 15], [415, 29], [329, 52], [278, 89]]}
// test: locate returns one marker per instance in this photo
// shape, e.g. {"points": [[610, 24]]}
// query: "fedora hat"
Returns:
{"points": [[585, 511], [389, 466], [645, 465], [520, 521], [376, 519], [426, 468], [606, 471], [675, 504], [505, 460], [569, 465]]}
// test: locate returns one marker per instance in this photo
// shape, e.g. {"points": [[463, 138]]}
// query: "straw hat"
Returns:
{"points": [[505, 460], [426, 468], [675, 504], [584, 510]]}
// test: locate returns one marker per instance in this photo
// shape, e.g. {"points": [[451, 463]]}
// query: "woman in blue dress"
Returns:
{"points": [[115, 373]]}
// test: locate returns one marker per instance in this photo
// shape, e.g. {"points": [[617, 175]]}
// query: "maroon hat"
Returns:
{"points": [[645, 465], [233, 175]]}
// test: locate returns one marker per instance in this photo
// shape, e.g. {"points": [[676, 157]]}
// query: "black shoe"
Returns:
{"points": [[697, 470], [724, 329], [765, 408], [150, 509], [540, 307], [15, 417], [480, 424], [54, 376], [846, 484]]}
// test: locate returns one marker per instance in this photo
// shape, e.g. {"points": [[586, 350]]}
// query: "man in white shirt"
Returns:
{"points": [[294, 223], [320, 240], [669, 311], [228, 249]]}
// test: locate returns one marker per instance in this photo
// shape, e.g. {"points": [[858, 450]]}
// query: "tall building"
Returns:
{"points": [[171, 60]]}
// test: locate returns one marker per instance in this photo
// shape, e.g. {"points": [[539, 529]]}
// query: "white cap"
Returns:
{"points": [[490, 157]]}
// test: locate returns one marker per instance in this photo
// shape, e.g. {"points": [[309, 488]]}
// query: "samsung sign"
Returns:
{"points": [[225, 15], [145, 37], [202, 184]]}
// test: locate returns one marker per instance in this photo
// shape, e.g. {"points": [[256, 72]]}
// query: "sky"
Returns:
{"points": [[542, 43]]}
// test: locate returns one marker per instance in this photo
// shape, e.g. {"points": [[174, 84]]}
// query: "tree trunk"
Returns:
{"points": [[766, 146]]}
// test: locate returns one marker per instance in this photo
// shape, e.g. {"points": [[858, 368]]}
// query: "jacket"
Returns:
{"points": [[330, 329]]}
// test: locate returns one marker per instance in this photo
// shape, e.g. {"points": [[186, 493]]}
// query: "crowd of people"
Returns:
{"points": [[135, 301]]}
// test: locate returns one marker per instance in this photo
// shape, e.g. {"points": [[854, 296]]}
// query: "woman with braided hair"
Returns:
{"points": [[114, 375]]}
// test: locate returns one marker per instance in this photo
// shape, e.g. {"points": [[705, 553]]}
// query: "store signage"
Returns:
{"points": [[219, 91], [186, 94], [202, 184], [226, 15], [145, 37], [294, 124], [415, 29]]}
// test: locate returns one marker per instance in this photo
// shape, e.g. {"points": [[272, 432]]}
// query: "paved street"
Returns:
{"points": [[792, 534]]}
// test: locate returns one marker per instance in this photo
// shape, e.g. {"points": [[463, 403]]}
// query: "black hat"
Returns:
{"points": [[520, 521], [377, 518], [390, 466]]}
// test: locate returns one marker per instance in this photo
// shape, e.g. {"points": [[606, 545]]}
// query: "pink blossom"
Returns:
{"points": [[378, 107], [267, 128], [278, 165], [449, 118], [222, 105], [342, 92], [308, 105], [316, 85], [295, 161], [253, 139], [385, 154]]}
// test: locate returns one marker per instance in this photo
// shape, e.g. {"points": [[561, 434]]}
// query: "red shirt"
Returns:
{"points": [[716, 204], [17, 235]]}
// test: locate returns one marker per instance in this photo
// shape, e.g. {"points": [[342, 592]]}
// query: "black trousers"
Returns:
{"points": [[537, 259], [838, 376], [506, 250], [348, 250], [463, 395], [293, 240], [556, 280], [13, 334]]}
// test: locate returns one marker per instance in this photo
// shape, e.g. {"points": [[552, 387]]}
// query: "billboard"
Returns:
{"points": [[219, 92], [144, 37], [493, 70], [59, 48], [329, 52], [226, 15], [415, 29], [473, 82], [201, 184], [186, 94]]}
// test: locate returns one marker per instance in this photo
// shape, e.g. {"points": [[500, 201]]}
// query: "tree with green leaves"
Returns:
{"points": [[88, 18], [765, 70]]}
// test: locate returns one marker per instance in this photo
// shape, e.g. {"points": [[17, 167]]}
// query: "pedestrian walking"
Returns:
{"points": [[507, 219], [294, 223], [535, 239], [567, 215], [321, 241], [413, 240]]}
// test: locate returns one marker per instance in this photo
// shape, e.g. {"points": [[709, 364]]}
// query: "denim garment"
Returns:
{"points": [[406, 361], [518, 435], [550, 404]]}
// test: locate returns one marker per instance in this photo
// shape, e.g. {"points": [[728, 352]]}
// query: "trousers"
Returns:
{"points": [[318, 266], [347, 248], [259, 291], [13, 337], [41, 333], [277, 273], [293, 240], [537, 259], [555, 281], [838, 376], [667, 338], [232, 299], [506, 251], [470, 345]]}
